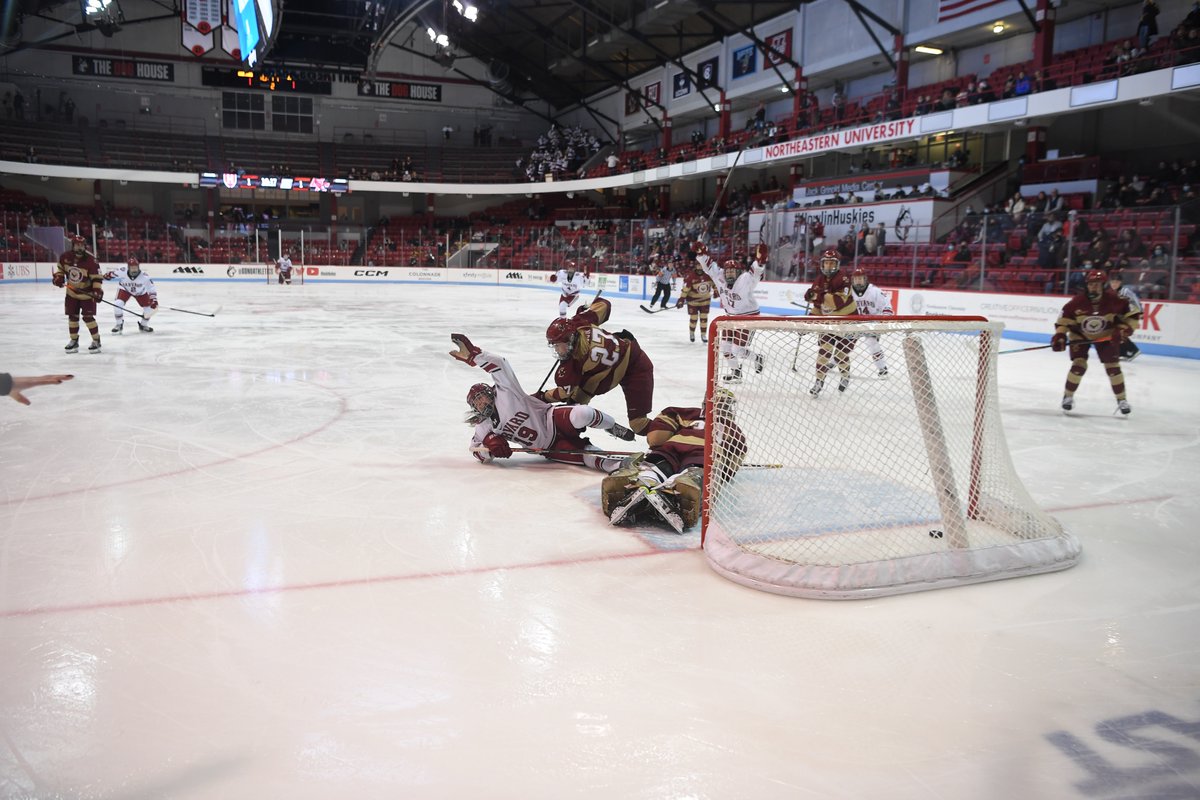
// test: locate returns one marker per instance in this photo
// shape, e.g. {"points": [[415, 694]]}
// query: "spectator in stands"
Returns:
{"points": [[985, 93], [1129, 244], [1041, 83], [1023, 85], [839, 106], [1010, 88], [1052, 226], [1147, 24], [1055, 203], [923, 105], [963, 98], [1099, 249], [1016, 208], [1051, 251]]}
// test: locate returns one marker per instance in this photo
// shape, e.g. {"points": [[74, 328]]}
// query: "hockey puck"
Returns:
{"points": [[935, 534]]}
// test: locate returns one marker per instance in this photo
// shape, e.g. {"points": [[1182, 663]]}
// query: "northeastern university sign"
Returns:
{"points": [[867, 134]]}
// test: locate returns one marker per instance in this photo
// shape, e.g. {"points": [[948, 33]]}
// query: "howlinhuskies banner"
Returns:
{"points": [[902, 220]]}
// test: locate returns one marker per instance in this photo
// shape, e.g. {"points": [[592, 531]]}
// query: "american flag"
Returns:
{"points": [[949, 9]]}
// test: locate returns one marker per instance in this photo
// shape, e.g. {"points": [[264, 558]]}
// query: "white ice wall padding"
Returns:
{"points": [[898, 484]]}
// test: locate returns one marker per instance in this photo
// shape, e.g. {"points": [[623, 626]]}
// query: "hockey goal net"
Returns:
{"points": [[897, 483]]}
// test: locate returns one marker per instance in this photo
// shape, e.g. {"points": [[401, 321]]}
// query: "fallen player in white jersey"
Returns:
{"points": [[504, 413]]}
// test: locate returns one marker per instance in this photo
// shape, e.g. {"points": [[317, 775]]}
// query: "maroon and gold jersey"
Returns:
{"points": [[597, 364], [677, 434], [1085, 320], [833, 296], [81, 272], [697, 288]]}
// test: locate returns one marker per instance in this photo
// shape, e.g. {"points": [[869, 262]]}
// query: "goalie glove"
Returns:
{"points": [[1058, 342], [466, 351]]}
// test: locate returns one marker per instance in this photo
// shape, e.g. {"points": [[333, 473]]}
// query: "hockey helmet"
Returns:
{"points": [[560, 337], [482, 399], [133, 267], [732, 269], [570, 267], [859, 280], [77, 242], [1094, 279], [831, 262]]}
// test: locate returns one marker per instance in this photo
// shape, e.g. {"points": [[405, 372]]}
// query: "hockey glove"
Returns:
{"points": [[98, 293], [700, 249], [497, 445], [1058, 342], [679, 303], [466, 351], [554, 277], [154, 302], [59, 280], [108, 276], [761, 252]]}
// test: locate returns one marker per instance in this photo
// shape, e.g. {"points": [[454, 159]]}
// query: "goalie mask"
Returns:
{"points": [[560, 337], [133, 268], [482, 399], [831, 262], [732, 270], [859, 281], [1095, 283]]}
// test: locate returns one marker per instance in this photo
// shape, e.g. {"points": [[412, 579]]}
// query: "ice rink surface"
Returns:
{"points": [[249, 556]]}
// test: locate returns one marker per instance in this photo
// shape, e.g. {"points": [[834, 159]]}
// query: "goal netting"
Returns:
{"points": [[897, 484]]}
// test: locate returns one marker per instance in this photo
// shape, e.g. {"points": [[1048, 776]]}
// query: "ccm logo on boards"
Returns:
{"points": [[370, 273]]}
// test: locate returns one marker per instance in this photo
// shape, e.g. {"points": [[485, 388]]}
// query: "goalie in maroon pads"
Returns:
{"points": [[594, 362], [666, 483], [1096, 317], [504, 413], [79, 273], [831, 296]]}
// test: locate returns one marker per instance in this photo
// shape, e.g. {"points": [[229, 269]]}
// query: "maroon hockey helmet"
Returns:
{"points": [[570, 267], [133, 266], [1094, 275], [560, 337], [482, 399], [831, 262], [859, 279], [732, 269]]}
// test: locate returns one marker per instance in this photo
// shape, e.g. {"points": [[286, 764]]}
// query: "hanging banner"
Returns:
{"points": [[133, 69], [745, 61], [681, 85], [902, 221], [780, 47], [708, 73], [949, 9], [203, 15]]}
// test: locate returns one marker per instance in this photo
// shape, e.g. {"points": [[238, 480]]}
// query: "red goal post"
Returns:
{"points": [[889, 484]]}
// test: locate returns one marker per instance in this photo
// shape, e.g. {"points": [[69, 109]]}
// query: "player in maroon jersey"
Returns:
{"points": [[831, 295], [697, 293], [594, 362], [666, 483], [1096, 317], [79, 273]]}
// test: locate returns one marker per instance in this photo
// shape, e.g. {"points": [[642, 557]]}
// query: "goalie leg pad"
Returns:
{"points": [[626, 508], [688, 486], [665, 506]]}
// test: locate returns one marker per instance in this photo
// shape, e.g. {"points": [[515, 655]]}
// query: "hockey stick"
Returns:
{"points": [[602, 453], [554, 366], [792, 299], [1047, 346], [126, 310], [197, 313], [655, 311], [720, 194]]}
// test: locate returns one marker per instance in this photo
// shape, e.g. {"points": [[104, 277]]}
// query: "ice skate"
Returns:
{"points": [[883, 372], [704, 337], [664, 509], [1123, 406], [1133, 355], [758, 363], [692, 335], [621, 432], [843, 383], [816, 388], [72, 346], [144, 328], [635, 499], [94, 347], [734, 377], [1068, 402], [117, 328]]}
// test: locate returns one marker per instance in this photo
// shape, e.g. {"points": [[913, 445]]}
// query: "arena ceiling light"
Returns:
{"points": [[468, 11], [106, 15], [927, 50], [440, 39]]}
